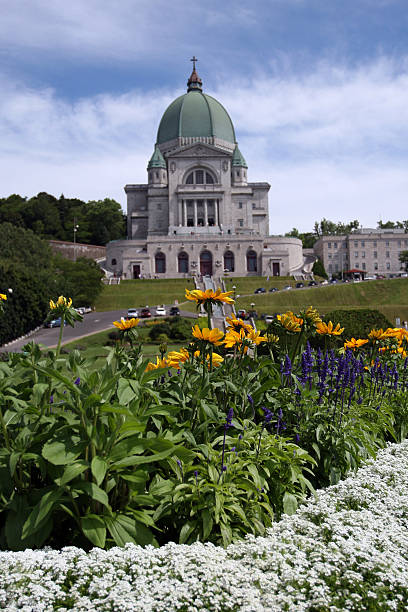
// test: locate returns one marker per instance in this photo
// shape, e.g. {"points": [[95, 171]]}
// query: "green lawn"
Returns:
{"points": [[137, 293], [388, 296]]}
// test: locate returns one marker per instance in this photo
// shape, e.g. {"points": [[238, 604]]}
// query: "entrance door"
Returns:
{"points": [[275, 268], [136, 271], [206, 263]]}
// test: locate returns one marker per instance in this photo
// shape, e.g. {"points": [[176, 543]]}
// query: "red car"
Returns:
{"points": [[145, 313]]}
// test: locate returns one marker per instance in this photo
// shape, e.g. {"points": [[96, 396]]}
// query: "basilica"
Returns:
{"points": [[198, 214]]}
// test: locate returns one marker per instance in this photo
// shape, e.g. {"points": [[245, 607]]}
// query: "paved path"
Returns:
{"points": [[92, 323]]}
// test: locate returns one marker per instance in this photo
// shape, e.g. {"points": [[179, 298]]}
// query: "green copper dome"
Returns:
{"points": [[196, 115]]}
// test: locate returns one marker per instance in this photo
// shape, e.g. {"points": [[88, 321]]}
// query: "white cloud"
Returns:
{"points": [[331, 143]]}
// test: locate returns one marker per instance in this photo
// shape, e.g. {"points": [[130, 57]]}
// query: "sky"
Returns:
{"points": [[317, 91]]}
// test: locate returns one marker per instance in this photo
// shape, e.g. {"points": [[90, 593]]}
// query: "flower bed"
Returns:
{"points": [[345, 550]]}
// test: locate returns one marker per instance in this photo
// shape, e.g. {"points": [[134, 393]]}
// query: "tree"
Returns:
{"points": [[308, 238], [329, 228], [318, 269], [403, 257], [106, 221], [80, 280], [394, 225]]}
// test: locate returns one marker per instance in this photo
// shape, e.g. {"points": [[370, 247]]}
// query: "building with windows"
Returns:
{"points": [[375, 252], [198, 213]]}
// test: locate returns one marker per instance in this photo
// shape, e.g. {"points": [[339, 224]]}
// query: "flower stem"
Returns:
{"points": [[60, 335]]}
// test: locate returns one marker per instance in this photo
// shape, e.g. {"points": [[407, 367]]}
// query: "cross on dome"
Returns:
{"points": [[194, 83]]}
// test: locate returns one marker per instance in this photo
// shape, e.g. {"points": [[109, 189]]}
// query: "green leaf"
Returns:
{"points": [[125, 391], [71, 472], [139, 460], [94, 529], [186, 531], [62, 452], [99, 467], [91, 489], [207, 523], [40, 512], [289, 503]]}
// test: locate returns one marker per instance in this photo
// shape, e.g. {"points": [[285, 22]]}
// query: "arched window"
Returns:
{"points": [[160, 263], [113, 262], [182, 262], [206, 263], [229, 261], [252, 263], [200, 177]]}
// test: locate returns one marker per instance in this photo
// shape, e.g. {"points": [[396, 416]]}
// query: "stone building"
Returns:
{"points": [[198, 213], [375, 252]]}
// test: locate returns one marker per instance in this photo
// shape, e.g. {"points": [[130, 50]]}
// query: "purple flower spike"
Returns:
{"points": [[77, 381], [51, 399]]}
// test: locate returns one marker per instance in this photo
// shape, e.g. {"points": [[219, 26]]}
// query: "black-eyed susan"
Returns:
{"points": [[355, 344], [376, 334], [209, 296], [328, 329], [62, 303], [160, 364], [213, 336], [213, 360], [290, 321], [237, 324], [125, 324], [312, 316], [177, 358], [255, 337]]}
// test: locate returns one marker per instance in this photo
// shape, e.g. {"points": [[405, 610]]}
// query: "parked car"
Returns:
{"points": [[132, 313], [260, 290], [145, 313], [160, 311], [269, 319], [54, 323], [174, 311], [273, 289], [299, 285], [287, 288], [333, 281], [312, 283], [324, 282]]}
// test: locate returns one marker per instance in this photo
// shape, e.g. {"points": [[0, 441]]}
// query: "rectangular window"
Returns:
{"points": [[330, 267], [253, 205], [241, 222], [239, 204], [356, 264], [387, 243], [375, 244], [399, 243], [355, 253], [337, 267], [364, 266], [388, 265], [335, 245], [330, 255], [375, 254], [199, 175], [356, 243], [363, 254], [329, 245], [387, 253], [406, 242], [376, 266], [363, 243]]}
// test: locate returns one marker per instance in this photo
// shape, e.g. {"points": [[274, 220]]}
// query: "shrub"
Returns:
{"points": [[358, 323]]}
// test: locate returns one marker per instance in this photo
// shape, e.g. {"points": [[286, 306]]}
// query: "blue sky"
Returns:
{"points": [[317, 91]]}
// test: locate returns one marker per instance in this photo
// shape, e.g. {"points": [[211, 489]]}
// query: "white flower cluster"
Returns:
{"points": [[346, 550]]}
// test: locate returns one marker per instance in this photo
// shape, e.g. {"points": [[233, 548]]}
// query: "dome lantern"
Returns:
{"points": [[194, 83]]}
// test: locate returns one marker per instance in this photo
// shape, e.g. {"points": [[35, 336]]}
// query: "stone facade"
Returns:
{"points": [[375, 252], [198, 214], [73, 250]]}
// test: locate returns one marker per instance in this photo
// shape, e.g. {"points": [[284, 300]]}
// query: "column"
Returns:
{"points": [[180, 212], [195, 213], [184, 213], [216, 211], [205, 213]]}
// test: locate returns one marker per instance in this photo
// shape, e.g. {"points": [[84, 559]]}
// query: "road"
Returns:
{"points": [[92, 323]]}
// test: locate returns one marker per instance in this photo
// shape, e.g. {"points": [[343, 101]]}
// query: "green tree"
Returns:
{"points": [[403, 257], [106, 221], [318, 269], [308, 238], [80, 280], [328, 228]]}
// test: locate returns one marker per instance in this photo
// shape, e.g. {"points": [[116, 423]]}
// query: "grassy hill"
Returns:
{"points": [[388, 296], [136, 293]]}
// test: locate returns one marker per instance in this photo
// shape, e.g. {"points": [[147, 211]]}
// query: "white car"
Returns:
{"points": [[269, 319], [160, 311], [132, 313]]}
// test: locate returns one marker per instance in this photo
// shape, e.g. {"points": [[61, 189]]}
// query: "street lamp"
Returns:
{"points": [[75, 231]]}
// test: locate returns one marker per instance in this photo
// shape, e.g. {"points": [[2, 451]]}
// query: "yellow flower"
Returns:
{"points": [[3, 296], [272, 338], [160, 363], [203, 297], [353, 343], [237, 324], [376, 334], [313, 316], [176, 358], [124, 325], [255, 337], [290, 321], [215, 358], [62, 301], [328, 329], [208, 335], [233, 337]]}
